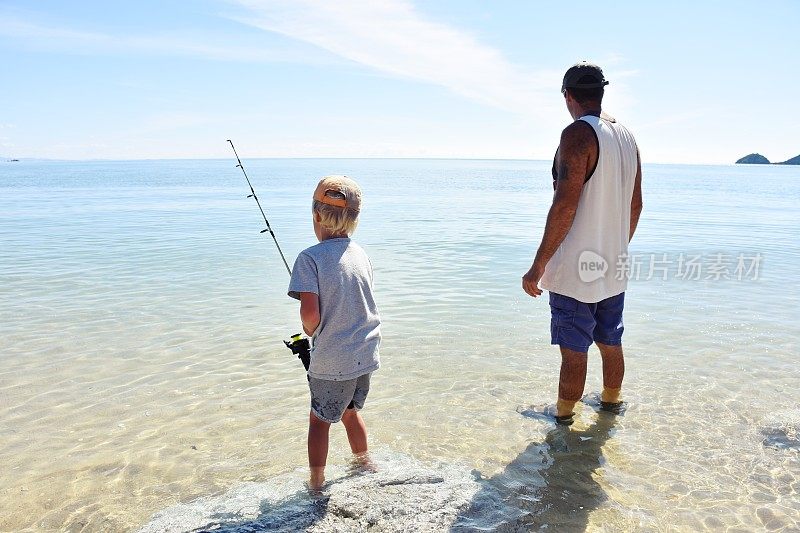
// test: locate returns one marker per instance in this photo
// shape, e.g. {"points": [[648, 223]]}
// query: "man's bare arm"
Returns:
{"points": [[636, 199], [576, 154]]}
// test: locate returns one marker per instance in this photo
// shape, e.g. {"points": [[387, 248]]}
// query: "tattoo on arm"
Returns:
{"points": [[575, 153]]}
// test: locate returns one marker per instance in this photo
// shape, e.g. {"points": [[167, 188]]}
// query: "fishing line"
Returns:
{"points": [[300, 346], [253, 195]]}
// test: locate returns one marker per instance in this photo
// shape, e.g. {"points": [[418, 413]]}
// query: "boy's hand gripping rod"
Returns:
{"points": [[299, 345]]}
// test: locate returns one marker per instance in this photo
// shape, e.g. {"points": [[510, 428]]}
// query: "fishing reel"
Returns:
{"points": [[301, 347]]}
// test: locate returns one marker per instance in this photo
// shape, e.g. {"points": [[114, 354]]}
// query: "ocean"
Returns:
{"points": [[143, 369]]}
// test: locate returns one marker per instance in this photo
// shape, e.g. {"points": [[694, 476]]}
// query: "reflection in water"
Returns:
{"points": [[781, 436], [549, 484]]}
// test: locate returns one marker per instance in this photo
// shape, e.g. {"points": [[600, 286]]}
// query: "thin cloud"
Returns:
{"points": [[42, 36], [390, 36]]}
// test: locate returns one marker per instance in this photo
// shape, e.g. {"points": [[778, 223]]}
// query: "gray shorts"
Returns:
{"points": [[329, 399]]}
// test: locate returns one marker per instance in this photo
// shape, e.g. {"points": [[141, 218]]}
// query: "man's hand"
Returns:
{"points": [[530, 281]]}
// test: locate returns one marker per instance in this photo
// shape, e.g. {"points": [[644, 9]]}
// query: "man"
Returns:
{"points": [[596, 206]]}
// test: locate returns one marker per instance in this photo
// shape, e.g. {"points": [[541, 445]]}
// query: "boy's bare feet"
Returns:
{"points": [[317, 479], [362, 462]]}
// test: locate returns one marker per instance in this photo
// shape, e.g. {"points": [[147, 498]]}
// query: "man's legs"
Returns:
{"points": [[613, 372], [571, 326], [571, 381], [608, 337]]}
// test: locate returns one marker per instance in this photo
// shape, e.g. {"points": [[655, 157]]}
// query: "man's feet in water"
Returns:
{"points": [[595, 401], [565, 420], [615, 408], [547, 412], [565, 411]]}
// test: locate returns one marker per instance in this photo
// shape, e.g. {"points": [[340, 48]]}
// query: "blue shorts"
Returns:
{"points": [[576, 325]]}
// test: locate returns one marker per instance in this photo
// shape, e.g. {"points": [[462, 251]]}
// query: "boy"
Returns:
{"points": [[333, 281]]}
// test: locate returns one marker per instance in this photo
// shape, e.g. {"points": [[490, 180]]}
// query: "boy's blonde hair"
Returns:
{"points": [[337, 200]]}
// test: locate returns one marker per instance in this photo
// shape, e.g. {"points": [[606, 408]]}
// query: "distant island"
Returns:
{"points": [[758, 159]]}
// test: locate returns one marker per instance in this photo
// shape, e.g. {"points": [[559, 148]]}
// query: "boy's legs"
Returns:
{"points": [[356, 431], [353, 423], [332, 401], [318, 431]]}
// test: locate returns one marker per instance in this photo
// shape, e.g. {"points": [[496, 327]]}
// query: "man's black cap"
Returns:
{"points": [[583, 75]]}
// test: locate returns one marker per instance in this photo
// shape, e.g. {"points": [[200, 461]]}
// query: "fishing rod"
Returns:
{"points": [[300, 346], [253, 195]]}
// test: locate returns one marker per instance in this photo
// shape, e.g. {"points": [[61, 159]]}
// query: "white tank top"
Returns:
{"points": [[587, 264]]}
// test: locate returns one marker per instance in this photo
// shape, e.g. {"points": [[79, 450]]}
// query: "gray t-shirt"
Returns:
{"points": [[345, 344]]}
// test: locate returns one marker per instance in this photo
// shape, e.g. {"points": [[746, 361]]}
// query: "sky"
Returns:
{"points": [[696, 81]]}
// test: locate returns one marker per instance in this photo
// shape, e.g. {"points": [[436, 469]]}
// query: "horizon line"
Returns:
{"points": [[110, 160]]}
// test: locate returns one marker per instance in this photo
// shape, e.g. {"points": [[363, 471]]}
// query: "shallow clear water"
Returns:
{"points": [[142, 315]]}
